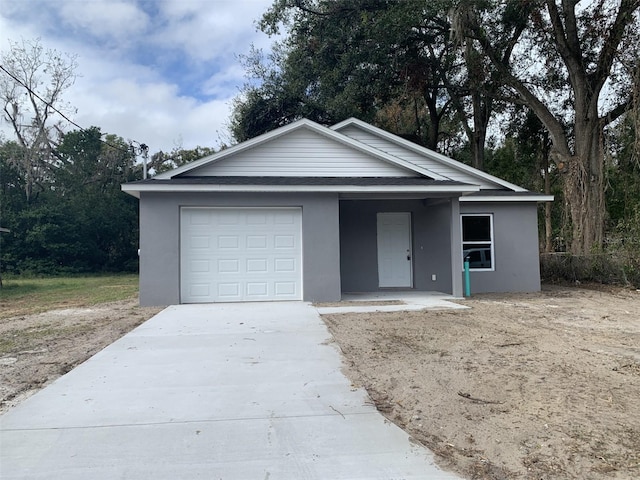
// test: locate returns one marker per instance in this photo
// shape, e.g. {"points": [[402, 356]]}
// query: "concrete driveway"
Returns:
{"points": [[225, 391]]}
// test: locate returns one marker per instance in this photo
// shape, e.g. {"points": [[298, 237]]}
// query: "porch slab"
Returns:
{"points": [[411, 300]]}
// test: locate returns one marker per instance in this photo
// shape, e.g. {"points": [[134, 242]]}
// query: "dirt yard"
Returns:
{"points": [[538, 386], [37, 349]]}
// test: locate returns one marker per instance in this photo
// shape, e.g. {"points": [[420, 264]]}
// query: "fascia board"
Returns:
{"points": [[510, 198], [327, 132], [136, 189], [426, 152]]}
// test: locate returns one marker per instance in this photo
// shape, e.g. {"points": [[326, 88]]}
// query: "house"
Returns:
{"points": [[307, 212]]}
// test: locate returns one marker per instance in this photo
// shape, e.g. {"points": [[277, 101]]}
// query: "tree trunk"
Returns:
{"points": [[481, 115], [433, 129], [548, 230], [584, 188]]}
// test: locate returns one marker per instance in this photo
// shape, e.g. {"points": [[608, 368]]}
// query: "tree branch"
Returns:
{"points": [[300, 5], [555, 128], [611, 43], [568, 48], [615, 113]]}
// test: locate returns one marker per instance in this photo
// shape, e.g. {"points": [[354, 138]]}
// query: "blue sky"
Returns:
{"points": [[160, 72]]}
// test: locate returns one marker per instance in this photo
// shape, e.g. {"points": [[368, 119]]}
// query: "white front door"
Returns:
{"points": [[394, 250]]}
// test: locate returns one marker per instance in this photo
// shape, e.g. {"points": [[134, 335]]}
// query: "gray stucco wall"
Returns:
{"points": [[160, 240], [517, 264], [431, 238]]}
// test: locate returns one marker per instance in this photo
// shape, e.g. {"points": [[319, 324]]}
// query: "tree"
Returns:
{"points": [[32, 83], [384, 62], [80, 221], [87, 180], [573, 65], [162, 162], [523, 158]]}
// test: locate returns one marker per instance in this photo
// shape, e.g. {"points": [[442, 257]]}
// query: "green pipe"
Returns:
{"points": [[467, 279]]}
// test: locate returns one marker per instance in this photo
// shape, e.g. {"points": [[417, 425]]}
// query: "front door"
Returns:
{"points": [[394, 250]]}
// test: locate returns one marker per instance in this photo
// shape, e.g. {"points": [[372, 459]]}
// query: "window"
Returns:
{"points": [[477, 241]]}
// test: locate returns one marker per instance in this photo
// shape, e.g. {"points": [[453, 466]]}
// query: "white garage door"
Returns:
{"points": [[240, 254]]}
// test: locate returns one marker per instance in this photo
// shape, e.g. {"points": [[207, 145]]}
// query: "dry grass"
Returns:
{"points": [[28, 296]]}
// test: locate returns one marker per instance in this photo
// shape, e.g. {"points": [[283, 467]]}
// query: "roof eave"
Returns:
{"points": [[137, 189], [519, 197], [425, 151]]}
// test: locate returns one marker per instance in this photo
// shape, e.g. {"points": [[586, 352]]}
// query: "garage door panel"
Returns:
{"points": [[200, 290], [200, 218], [225, 218], [244, 254], [285, 217], [285, 288], [257, 265], [228, 242], [228, 266], [229, 291], [283, 241], [285, 265], [257, 242], [200, 242], [257, 289], [255, 219], [200, 266]]}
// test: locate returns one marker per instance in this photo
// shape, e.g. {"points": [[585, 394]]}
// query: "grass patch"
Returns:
{"points": [[14, 341], [26, 296]]}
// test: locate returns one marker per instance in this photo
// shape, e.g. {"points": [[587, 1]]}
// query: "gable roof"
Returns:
{"points": [[403, 167], [452, 169], [349, 158]]}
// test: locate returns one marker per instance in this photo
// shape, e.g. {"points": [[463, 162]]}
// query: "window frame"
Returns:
{"points": [[490, 243]]}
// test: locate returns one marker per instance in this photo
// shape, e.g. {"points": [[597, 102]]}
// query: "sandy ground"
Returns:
{"points": [[536, 386], [37, 349]]}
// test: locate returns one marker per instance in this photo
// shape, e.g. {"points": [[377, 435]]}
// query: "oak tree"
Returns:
{"points": [[574, 65]]}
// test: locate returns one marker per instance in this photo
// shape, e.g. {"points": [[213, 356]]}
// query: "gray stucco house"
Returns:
{"points": [[307, 212]]}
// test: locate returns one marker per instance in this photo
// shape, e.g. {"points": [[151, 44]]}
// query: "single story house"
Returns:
{"points": [[307, 212]]}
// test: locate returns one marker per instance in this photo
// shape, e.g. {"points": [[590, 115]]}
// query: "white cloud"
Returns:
{"points": [[105, 18], [205, 29], [225, 82], [161, 72], [138, 105]]}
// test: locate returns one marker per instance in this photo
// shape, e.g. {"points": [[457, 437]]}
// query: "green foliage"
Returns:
{"points": [[351, 58], [162, 162], [80, 221], [623, 197], [623, 172]]}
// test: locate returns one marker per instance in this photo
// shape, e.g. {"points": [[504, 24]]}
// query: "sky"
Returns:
{"points": [[158, 72]]}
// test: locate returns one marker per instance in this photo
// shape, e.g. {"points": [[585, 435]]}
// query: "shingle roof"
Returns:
{"points": [[286, 181]]}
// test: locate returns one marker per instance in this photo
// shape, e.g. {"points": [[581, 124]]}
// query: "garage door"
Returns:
{"points": [[240, 254]]}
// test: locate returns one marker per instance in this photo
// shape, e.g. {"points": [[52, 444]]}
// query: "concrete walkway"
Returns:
{"points": [[226, 391], [410, 300]]}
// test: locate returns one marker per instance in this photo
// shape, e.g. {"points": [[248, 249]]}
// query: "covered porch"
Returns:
{"points": [[409, 244]]}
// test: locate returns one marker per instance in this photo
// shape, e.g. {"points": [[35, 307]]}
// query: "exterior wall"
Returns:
{"points": [[431, 240], [302, 153], [455, 228], [517, 263], [160, 240]]}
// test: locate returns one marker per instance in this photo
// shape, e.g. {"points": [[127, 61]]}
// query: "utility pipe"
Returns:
{"points": [[467, 278]]}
